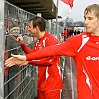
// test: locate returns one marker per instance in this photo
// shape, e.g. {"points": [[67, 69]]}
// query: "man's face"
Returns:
{"points": [[91, 23], [33, 31], [15, 31]]}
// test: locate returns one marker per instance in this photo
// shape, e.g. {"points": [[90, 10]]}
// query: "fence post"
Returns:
{"points": [[1, 49]]}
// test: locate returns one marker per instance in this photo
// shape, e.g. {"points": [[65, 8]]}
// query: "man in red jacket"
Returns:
{"points": [[65, 33], [84, 48], [49, 75]]}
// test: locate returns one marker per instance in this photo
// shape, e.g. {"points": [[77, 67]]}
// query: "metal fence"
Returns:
{"points": [[18, 83]]}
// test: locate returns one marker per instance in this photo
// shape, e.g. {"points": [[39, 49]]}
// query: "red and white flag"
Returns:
{"points": [[69, 2]]}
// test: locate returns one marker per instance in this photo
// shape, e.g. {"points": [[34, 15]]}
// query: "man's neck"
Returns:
{"points": [[41, 34]]}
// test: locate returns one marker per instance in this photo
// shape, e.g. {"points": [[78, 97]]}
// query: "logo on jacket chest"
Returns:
{"points": [[93, 58], [40, 46]]}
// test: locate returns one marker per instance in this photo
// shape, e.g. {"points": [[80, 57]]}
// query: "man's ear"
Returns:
{"points": [[37, 27]]}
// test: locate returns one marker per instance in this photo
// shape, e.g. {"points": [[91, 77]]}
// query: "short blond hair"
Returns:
{"points": [[92, 8]]}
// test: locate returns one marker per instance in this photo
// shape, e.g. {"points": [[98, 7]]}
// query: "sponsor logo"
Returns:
{"points": [[92, 58]]}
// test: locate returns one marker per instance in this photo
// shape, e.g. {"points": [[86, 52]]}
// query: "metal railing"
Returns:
{"points": [[19, 83]]}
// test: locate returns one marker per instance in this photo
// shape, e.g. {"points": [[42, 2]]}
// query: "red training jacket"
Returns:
{"points": [[49, 74], [84, 48]]}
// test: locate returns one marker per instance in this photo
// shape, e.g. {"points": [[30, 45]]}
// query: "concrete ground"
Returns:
{"points": [[69, 80]]}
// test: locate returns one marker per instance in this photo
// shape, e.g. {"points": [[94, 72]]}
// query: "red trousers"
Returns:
{"points": [[49, 94]]}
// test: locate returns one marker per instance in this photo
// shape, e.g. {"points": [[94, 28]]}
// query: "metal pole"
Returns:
{"points": [[1, 49], [57, 21], [72, 82]]}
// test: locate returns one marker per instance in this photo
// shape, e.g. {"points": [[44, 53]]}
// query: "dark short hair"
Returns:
{"points": [[38, 21]]}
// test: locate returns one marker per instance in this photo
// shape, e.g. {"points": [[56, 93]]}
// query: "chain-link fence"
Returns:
{"points": [[20, 83]]}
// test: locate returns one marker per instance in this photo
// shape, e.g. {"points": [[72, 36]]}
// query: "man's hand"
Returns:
{"points": [[13, 61], [16, 60], [20, 40], [19, 57]]}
